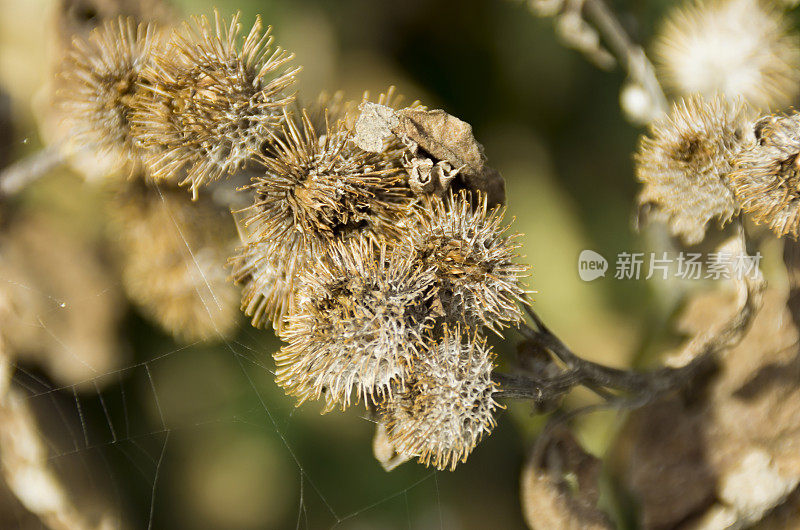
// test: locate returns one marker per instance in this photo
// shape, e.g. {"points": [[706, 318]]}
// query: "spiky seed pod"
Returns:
{"points": [[211, 101], [685, 162], [474, 259], [100, 83], [446, 405], [317, 188], [173, 254], [739, 48], [361, 316], [766, 180]]}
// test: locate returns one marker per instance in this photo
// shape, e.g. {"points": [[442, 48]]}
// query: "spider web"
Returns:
{"points": [[120, 433]]}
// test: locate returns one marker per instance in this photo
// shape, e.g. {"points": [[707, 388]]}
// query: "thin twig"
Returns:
{"points": [[629, 54], [637, 388], [20, 174]]}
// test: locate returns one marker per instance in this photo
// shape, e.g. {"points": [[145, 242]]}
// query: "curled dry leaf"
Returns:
{"points": [[427, 178], [450, 139], [560, 487], [444, 138]]}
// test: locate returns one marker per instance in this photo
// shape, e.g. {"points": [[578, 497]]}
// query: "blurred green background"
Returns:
{"points": [[232, 451]]}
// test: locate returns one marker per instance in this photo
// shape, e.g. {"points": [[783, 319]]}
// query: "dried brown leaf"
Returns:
{"points": [[450, 139], [731, 449]]}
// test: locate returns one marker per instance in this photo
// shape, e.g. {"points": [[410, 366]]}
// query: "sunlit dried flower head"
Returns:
{"points": [[100, 81], [767, 176], [317, 188], [212, 101], [685, 162], [480, 281], [738, 48], [173, 255], [361, 316], [446, 405]]}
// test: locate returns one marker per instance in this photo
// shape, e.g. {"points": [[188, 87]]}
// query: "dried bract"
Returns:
{"points": [[474, 259], [739, 48], [767, 176], [100, 83], [360, 321], [211, 101], [685, 161], [446, 405]]}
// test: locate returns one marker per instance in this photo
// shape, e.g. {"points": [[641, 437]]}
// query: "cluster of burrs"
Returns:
{"points": [[709, 159], [380, 281]]}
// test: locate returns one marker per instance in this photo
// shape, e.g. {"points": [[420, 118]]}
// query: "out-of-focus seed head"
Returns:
{"points": [[173, 255], [78, 18], [212, 101], [100, 83], [767, 176], [685, 162], [480, 281], [446, 405], [361, 316], [738, 48]]}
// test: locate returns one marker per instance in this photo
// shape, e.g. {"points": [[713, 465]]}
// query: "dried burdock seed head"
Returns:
{"points": [[446, 405], [685, 162], [173, 255], [100, 82], [212, 101], [738, 48], [360, 320], [767, 176], [480, 282], [317, 188]]}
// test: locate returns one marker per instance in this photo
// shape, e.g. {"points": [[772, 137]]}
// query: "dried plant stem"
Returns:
{"points": [[630, 55], [24, 462], [20, 174], [628, 388]]}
